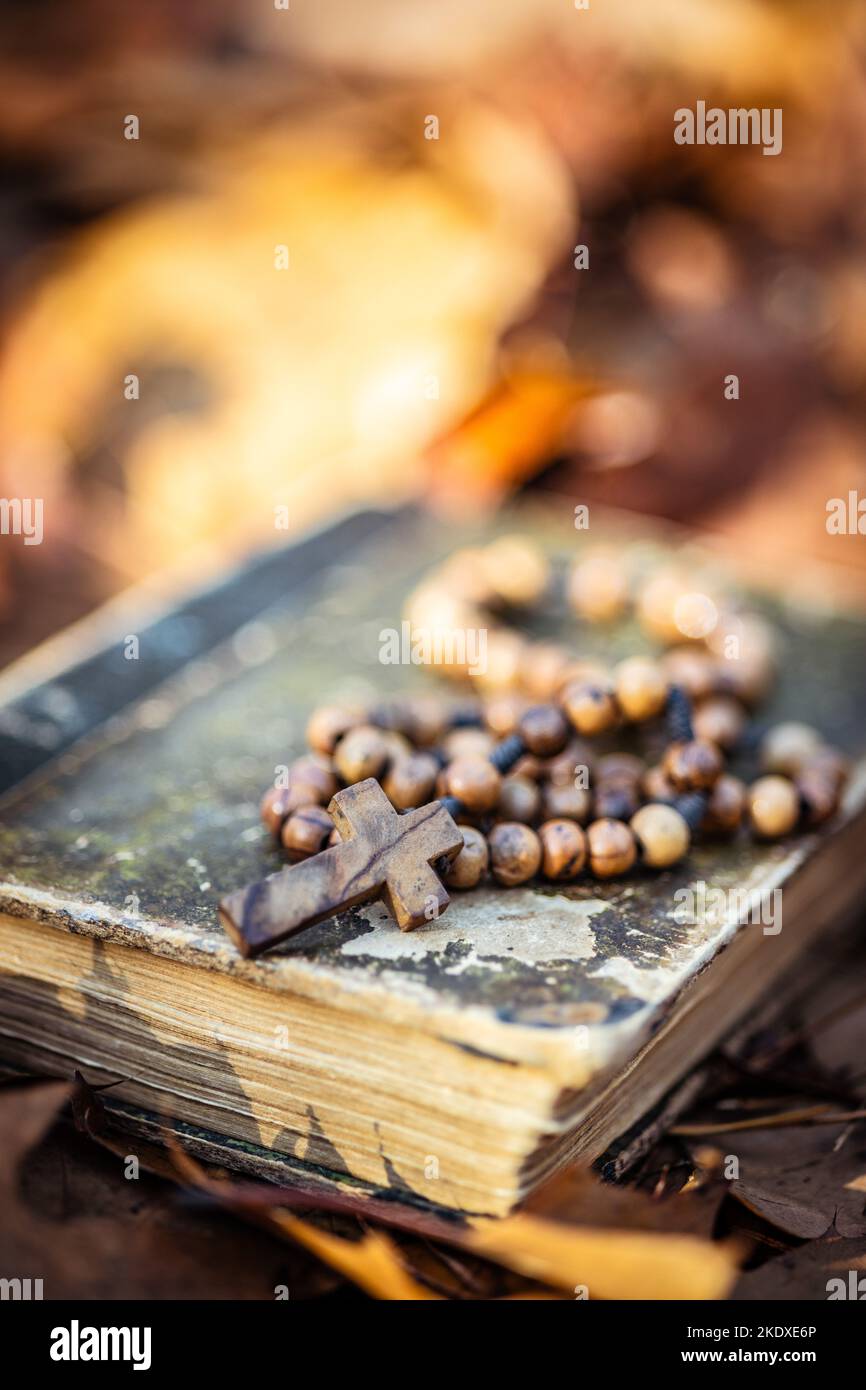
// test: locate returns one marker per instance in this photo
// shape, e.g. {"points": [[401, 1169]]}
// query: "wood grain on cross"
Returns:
{"points": [[382, 855]]}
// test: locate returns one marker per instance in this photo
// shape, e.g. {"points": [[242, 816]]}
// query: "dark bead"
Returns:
{"points": [[678, 711], [616, 801], [693, 766], [545, 730], [507, 753]]}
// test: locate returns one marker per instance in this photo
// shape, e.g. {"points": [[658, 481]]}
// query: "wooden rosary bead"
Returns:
{"points": [[693, 766], [656, 604], [694, 669], [750, 674], [726, 806], [831, 764], [786, 748], [502, 714], [662, 834], [515, 853], [566, 802], [516, 570], [721, 720], [519, 799], [468, 743], [616, 800], [274, 808], [410, 780], [563, 849], [774, 806], [315, 771], [427, 720], [542, 669], [329, 723], [657, 786], [306, 831], [362, 753], [562, 770], [544, 729], [640, 688], [598, 588], [475, 782], [818, 795], [591, 708], [612, 848], [470, 866], [619, 768], [504, 652]]}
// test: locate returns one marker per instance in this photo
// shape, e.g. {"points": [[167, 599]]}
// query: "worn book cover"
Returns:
{"points": [[459, 1063]]}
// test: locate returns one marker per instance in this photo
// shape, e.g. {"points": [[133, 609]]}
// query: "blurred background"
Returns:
{"points": [[260, 263]]}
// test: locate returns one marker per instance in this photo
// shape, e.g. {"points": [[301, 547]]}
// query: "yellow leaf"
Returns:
{"points": [[611, 1263]]}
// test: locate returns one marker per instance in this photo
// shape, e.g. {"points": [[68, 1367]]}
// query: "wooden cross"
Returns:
{"points": [[382, 855]]}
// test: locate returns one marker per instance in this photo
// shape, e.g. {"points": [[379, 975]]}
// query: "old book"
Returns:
{"points": [[458, 1064]]}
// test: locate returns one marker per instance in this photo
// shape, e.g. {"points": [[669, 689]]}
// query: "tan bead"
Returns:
{"points": [[725, 807], [662, 833], [545, 730], [566, 802], [774, 806], [616, 800], [590, 708], [818, 794], [502, 714], [329, 723], [720, 720], [563, 849], [468, 743], [396, 744], [692, 668], [750, 673], [410, 780], [475, 782], [640, 687], [504, 653], [542, 669], [657, 605], [516, 570], [787, 748], [515, 853], [427, 719], [612, 848], [274, 808], [693, 766], [598, 588], [519, 799], [316, 771], [306, 831], [470, 866], [657, 786], [361, 754]]}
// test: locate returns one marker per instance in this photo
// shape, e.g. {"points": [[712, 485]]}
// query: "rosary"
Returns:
{"points": [[518, 792]]}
